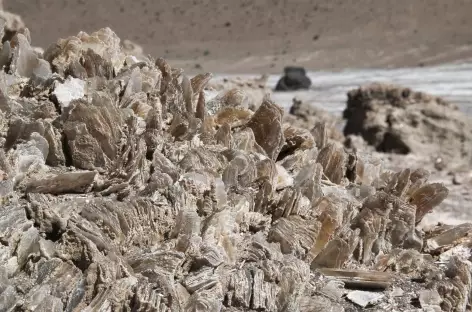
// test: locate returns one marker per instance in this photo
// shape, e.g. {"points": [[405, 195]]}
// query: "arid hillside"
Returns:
{"points": [[265, 35]]}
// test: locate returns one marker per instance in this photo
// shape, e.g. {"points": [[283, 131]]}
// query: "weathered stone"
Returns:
{"points": [[266, 123], [400, 120]]}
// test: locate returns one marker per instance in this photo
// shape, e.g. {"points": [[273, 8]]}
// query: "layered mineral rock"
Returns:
{"points": [[306, 116], [251, 91], [122, 188], [400, 120]]}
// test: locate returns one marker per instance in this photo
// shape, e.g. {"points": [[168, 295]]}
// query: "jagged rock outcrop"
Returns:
{"points": [[400, 120], [123, 189]]}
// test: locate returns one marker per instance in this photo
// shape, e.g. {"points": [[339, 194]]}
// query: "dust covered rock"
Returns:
{"points": [[400, 120]]}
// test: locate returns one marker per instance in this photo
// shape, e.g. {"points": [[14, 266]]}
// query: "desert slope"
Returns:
{"points": [[265, 35]]}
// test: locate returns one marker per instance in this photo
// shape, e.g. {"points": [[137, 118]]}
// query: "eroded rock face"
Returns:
{"points": [[267, 127], [400, 120], [125, 189]]}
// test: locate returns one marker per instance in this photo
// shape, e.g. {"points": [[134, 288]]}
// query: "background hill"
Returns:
{"points": [[264, 35]]}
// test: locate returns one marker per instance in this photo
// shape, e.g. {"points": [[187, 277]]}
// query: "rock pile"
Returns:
{"points": [[123, 189], [399, 120]]}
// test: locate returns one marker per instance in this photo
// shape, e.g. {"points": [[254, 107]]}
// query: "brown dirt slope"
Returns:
{"points": [[265, 35]]}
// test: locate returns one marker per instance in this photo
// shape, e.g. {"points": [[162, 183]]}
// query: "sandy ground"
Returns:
{"points": [[247, 36]]}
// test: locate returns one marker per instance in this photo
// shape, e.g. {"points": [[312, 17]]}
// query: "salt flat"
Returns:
{"points": [[453, 82]]}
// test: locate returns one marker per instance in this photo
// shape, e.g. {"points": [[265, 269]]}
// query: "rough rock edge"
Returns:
{"points": [[170, 211]]}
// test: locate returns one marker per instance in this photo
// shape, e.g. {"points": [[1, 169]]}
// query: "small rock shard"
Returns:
{"points": [[427, 197], [365, 298], [449, 237], [430, 299], [361, 279], [59, 183], [294, 234], [332, 158], [266, 123], [71, 89]]}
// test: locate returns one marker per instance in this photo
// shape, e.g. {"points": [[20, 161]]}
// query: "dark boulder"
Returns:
{"points": [[294, 78]]}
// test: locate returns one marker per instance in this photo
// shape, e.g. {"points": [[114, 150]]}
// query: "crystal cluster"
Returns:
{"points": [[123, 187]]}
